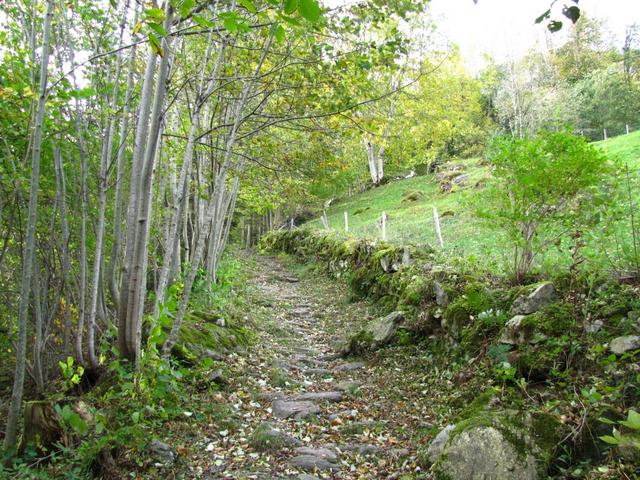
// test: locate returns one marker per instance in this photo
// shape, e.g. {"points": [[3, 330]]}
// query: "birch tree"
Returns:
{"points": [[30, 241]]}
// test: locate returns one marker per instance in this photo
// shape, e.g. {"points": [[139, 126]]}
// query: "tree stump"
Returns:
{"points": [[42, 427]]}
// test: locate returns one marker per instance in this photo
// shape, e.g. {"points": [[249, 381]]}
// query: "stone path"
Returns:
{"points": [[309, 417]]}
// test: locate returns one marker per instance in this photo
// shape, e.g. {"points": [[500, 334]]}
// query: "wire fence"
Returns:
{"points": [[608, 131], [457, 232]]}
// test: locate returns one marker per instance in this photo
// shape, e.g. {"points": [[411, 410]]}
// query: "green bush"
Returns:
{"points": [[544, 189]]}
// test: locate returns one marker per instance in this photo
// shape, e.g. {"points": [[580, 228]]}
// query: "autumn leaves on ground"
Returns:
{"points": [[298, 406]]}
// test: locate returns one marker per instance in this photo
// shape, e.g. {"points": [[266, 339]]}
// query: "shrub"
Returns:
{"points": [[542, 189]]}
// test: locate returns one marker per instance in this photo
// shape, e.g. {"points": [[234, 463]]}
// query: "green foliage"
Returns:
{"points": [[71, 419], [71, 374], [542, 184], [620, 439]]}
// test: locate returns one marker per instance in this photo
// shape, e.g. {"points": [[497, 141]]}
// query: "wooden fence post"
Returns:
{"points": [[605, 133], [384, 226], [325, 220], [436, 221], [346, 222]]}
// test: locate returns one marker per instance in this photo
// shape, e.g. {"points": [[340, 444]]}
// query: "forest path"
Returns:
{"points": [[304, 413]]}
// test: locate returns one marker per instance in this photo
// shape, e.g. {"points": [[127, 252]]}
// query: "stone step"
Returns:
{"points": [[294, 408], [320, 396]]}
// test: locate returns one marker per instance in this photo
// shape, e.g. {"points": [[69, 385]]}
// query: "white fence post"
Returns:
{"points": [[384, 226], [324, 220], [627, 127], [346, 222], [436, 221], [605, 133]]}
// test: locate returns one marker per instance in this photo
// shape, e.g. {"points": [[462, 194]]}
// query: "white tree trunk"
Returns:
{"points": [[30, 241]]}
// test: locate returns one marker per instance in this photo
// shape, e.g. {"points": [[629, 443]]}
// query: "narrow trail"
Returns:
{"points": [[305, 412]]}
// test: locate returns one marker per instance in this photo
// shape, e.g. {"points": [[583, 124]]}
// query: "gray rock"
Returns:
{"points": [[437, 444], [301, 358], [221, 322], [288, 279], [213, 355], [461, 179], [284, 365], [162, 452], [348, 386], [594, 326], [377, 334], [311, 463], [216, 377], [498, 445], [440, 293], [515, 333], [543, 295], [349, 366], [267, 437], [304, 476], [330, 357], [624, 344], [292, 408], [320, 396], [343, 414], [320, 452], [484, 452], [399, 452]]}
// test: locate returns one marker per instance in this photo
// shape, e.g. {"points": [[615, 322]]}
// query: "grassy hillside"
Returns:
{"points": [[464, 234]]}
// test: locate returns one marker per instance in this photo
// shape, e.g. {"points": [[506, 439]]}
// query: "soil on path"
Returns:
{"points": [[298, 410]]}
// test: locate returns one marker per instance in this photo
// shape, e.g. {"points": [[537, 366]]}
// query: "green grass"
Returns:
{"points": [[624, 147], [464, 234]]}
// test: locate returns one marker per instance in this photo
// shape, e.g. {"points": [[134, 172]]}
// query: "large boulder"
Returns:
{"points": [[376, 334], [536, 298], [496, 445]]}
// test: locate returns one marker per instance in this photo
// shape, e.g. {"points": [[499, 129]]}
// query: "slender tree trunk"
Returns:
{"points": [[29, 251], [38, 373], [169, 263], [139, 220], [66, 257], [215, 203], [132, 209], [83, 249], [114, 257], [107, 148]]}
